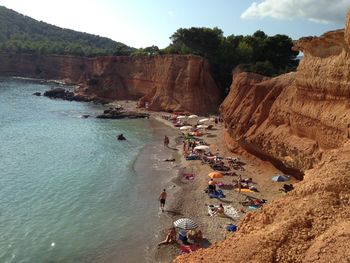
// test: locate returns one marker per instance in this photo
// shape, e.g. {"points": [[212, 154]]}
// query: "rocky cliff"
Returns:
{"points": [[169, 82], [295, 117], [301, 120]]}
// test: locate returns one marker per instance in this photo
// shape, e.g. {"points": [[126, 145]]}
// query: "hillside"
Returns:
{"points": [[22, 34], [302, 120]]}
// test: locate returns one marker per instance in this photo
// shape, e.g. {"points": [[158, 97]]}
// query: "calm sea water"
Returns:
{"points": [[69, 191]]}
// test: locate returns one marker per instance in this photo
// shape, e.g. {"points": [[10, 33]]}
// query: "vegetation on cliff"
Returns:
{"points": [[22, 34], [258, 53]]}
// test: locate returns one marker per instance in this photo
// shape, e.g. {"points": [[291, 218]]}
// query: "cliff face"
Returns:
{"points": [[67, 68], [301, 119], [298, 116], [170, 82]]}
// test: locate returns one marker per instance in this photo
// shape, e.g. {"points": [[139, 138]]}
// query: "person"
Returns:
{"points": [[166, 141], [162, 198], [220, 211], [239, 183], [195, 235], [183, 237], [211, 186], [170, 237], [121, 137]]}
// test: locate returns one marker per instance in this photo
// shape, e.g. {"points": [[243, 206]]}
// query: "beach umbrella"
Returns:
{"points": [[202, 147], [185, 224], [186, 127], [193, 116], [181, 117], [215, 174], [203, 120], [202, 126], [280, 178]]}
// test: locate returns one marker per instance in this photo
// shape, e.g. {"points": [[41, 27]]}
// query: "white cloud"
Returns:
{"points": [[320, 11]]}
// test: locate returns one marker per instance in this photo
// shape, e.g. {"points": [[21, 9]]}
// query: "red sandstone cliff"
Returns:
{"points": [[301, 119], [169, 82]]}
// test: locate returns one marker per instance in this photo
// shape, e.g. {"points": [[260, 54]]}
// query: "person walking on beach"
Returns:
{"points": [[166, 141], [162, 198]]}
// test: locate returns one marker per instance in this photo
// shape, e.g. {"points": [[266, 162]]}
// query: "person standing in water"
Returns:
{"points": [[162, 198], [166, 141]]}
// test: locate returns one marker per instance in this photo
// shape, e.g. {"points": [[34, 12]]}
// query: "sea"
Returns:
{"points": [[69, 190]]}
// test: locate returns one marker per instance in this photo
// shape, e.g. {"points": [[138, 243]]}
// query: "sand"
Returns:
{"points": [[188, 199]]}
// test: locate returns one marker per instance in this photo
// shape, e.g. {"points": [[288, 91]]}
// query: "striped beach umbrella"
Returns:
{"points": [[185, 224]]}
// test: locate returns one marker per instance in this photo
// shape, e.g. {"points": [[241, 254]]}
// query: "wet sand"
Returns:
{"points": [[188, 199]]}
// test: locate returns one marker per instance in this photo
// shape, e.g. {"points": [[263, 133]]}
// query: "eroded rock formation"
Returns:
{"points": [[303, 120], [169, 82]]}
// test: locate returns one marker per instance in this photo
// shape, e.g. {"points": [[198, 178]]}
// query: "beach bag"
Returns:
{"points": [[231, 228]]}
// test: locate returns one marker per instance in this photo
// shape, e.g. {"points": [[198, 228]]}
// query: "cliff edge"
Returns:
{"points": [[163, 82], [299, 120]]}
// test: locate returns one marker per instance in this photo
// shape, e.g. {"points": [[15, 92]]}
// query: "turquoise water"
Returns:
{"points": [[69, 190]]}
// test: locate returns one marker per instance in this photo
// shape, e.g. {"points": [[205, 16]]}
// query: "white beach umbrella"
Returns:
{"points": [[193, 116], [185, 223], [186, 127], [181, 117], [202, 126], [203, 120], [202, 147]]}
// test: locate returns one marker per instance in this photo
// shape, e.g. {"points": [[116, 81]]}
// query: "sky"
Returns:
{"points": [[142, 23]]}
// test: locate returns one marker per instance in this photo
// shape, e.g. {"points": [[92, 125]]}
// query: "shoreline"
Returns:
{"points": [[189, 199]]}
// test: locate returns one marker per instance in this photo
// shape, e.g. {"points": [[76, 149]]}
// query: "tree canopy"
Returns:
{"points": [[259, 53], [22, 34]]}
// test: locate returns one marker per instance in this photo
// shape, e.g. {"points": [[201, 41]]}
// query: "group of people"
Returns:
{"points": [[184, 236]]}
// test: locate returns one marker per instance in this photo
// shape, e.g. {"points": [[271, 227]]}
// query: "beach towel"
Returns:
{"points": [[188, 176], [230, 211], [245, 190], [192, 157], [189, 248], [217, 194]]}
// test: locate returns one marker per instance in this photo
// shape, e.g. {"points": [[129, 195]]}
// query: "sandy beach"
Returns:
{"points": [[187, 198]]}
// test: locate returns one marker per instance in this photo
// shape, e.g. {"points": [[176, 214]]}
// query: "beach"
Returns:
{"points": [[187, 198]]}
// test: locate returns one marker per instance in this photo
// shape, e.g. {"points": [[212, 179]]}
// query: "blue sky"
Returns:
{"points": [[141, 23]]}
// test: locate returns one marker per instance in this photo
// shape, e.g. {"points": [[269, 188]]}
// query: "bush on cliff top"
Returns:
{"points": [[259, 53]]}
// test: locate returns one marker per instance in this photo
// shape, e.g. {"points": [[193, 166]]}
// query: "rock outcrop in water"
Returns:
{"points": [[301, 119], [167, 82]]}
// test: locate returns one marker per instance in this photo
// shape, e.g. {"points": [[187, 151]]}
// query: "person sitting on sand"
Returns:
{"points": [[121, 137], [170, 237], [195, 235], [220, 211]]}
